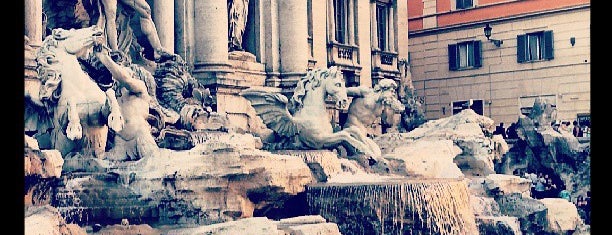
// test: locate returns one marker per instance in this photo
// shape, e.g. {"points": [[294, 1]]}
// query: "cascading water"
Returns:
{"points": [[397, 207]]}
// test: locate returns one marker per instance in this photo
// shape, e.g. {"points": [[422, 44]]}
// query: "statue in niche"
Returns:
{"points": [[367, 107], [135, 140], [237, 12], [108, 19]]}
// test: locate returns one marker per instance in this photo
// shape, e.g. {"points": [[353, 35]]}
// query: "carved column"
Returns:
{"points": [[183, 26], [390, 30], [293, 24], [351, 23], [373, 25], [211, 34], [331, 21], [163, 17], [33, 21]]}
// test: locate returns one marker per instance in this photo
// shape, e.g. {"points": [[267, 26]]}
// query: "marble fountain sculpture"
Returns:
{"points": [[108, 118]]}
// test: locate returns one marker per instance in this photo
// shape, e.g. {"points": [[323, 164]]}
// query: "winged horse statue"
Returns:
{"points": [[309, 125], [79, 110]]}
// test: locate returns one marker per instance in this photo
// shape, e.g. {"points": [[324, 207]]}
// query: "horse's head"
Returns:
{"points": [[334, 86], [77, 41], [387, 95]]}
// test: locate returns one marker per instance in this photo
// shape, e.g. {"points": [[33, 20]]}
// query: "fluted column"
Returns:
{"points": [[163, 17], [331, 21], [33, 21], [373, 25], [351, 23], [391, 31], [293, 24], [211, 35], [183, 26]]}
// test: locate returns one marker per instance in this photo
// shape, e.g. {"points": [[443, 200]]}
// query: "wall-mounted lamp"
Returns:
{"points": [[572, 41], [487, 32]]}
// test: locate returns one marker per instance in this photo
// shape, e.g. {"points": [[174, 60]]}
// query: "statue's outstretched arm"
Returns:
{"points": [[357, 91], [121, 74]]}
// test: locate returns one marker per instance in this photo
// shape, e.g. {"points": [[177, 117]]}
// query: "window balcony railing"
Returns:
{"points": [[384, 60], [341, 54]]}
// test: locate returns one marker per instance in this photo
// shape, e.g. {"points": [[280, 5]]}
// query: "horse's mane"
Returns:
{"points": [[311, 81], [45, 56]]}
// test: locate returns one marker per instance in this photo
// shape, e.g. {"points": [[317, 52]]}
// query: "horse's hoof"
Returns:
{"points": [[74, 131], [115, 122]]}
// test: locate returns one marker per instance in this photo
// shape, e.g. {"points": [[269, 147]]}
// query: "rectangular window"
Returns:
{"points": [[535, 46], [340, 8], [465, 55], [464, 4], [476, 105], [381, 21]]}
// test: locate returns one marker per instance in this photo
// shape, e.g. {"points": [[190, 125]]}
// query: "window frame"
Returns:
{"points": [[459, 105], [463, 4], [473, 57], [341, 20], [544, 46], [382, 41]]}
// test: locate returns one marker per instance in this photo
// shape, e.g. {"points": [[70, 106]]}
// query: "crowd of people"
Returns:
{"points": [[565, 126]]}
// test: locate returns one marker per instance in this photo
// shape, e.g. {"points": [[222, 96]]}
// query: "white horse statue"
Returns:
{"points": [[79, 109], [309, 127]]}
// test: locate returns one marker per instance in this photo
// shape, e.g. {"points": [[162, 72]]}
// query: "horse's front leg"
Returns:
{"points": [[74, 130], [343, 136], [115, 118]]}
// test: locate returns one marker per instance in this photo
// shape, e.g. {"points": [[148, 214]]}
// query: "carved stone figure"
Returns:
{"points": [[367, 107], [237, 12], [308, 126], [108, 19], [135, 141], [79, 109]]}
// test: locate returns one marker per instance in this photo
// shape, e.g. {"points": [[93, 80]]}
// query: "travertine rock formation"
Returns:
{"points": [[498, 225], [303, 225], [211, 183], [499, 184], [562, 216], [471, 132], [41, 170], [47, 220]]}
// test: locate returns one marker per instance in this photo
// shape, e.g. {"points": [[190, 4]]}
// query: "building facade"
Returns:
{"points": [[282, 40], [536, 48]]}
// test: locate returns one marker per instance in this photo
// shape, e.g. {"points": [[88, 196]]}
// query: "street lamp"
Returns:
{"points": [[487, 32]]}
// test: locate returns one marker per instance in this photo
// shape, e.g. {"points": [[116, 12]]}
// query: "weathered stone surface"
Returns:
{"points": [[130, 229], [31, 143], [484, 206], [47, 220], [470, 132], [476, 186], [323, 163], [309, 224], [546, 150], [426, 159], [247, 226], [562, 215], [530, 212], [496, 184], [498, 225]]}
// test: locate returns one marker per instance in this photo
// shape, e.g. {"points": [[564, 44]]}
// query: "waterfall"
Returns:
{"points": [[401, 207]]}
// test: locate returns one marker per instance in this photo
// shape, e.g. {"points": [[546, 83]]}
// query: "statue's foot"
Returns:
{"points": [[115, 121], [74, 130]]}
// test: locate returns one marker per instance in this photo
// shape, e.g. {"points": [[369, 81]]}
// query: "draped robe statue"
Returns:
{"points": [[237, 12]]}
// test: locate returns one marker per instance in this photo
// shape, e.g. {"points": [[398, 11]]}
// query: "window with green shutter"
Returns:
{"points": [[465, 55], [535, 46]]}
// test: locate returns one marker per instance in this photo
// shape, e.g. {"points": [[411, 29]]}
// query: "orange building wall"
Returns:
{"points": [[481, 12], [415, 8]]}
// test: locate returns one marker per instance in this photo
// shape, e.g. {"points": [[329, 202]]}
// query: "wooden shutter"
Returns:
{"points": [[548, 46], [452, 57], [521, 48], [477, 54]]}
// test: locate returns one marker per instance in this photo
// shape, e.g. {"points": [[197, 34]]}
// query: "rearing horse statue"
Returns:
{"points": [[79, 109], [309, 127]]}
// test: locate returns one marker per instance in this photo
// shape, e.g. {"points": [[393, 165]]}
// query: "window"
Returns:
{"points": [[341, 7], [476, 105], [464, 4], [464, 55], [535, 46], [381, 21]]}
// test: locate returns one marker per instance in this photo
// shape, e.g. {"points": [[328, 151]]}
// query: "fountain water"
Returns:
{"points": [[428, 206]]}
